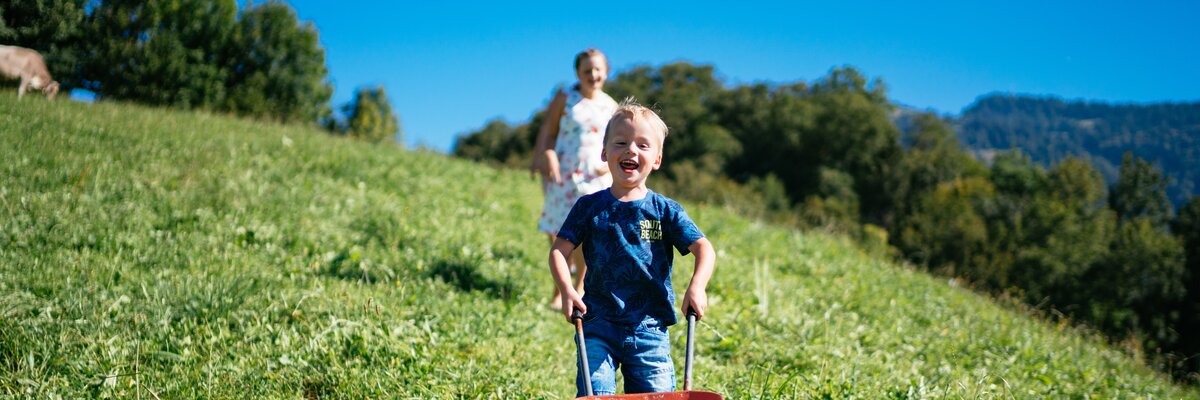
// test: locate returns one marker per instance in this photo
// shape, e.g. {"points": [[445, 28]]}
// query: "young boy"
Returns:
{"points": [[627, 233]]}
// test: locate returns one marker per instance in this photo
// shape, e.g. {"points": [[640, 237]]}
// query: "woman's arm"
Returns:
{"points": [[545, 160]]}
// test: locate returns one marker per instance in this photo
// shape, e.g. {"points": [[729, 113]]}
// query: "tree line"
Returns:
{"points": [[1050, 129], [828, 154], [260, 61]]}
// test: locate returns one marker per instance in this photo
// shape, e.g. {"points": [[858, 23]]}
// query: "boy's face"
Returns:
{"points": [[633, 150]]}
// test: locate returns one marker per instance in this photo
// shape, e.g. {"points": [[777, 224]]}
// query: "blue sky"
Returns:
{"points": [[450, 67]]}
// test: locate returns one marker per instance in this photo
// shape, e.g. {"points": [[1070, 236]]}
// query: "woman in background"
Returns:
{"points": [[567, 153]]}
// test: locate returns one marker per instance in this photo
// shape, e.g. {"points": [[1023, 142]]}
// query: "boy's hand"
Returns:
{"points": [[697, 300], [572, 301]]}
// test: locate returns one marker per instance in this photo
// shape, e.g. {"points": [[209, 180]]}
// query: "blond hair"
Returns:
{"points": [[629, 108]]}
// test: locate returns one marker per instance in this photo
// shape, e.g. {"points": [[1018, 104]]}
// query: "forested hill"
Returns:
{"points": [[1050, 129]]}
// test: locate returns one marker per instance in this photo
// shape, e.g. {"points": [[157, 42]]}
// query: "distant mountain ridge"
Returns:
{"points": [[1050, 129]]}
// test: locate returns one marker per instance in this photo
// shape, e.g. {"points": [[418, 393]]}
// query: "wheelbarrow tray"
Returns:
{"points": [[682, 395]]}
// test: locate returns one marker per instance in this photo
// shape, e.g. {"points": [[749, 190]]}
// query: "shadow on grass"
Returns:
{"points": [[349, 264], [465, 276], [320, 387], [459, 271]]}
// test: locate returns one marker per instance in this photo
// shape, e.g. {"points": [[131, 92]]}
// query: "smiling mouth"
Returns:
{"points": [[629, 165]]}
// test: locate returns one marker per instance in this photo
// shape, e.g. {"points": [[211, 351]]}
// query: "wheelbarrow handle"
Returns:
{"points": [[687, 364], [581, 344]]}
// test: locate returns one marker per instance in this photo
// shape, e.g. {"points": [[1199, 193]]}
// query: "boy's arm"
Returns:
{"points": [[696, 298], [559, 252]]}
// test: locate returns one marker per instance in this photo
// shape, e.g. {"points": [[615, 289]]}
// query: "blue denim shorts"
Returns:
{"points": [[642, 352]]}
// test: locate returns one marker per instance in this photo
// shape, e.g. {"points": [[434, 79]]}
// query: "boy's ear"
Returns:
{"points": [[603, 155], [658, 161]]}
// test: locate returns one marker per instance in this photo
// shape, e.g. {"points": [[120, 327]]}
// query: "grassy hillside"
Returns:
{"points": [[152, 253]]}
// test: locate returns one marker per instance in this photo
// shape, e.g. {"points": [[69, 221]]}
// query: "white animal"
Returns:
{"points": [[28, 66]]}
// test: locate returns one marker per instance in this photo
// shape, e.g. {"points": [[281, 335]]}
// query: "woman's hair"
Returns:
{"points": [[589, 53], [629, 108]]}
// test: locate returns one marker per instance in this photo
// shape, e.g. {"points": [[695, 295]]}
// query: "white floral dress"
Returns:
{"points": [[580, 141]]}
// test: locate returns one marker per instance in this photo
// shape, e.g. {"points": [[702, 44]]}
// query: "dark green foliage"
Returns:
{"points": [[161, 52], [277, 66], [1016, 174], [947, 233], [1140, 192], [1063, 233], [933, 157], [369, 117], [508, 145], [840, 123], [1050, 129], [1131, 290], [853, 133], [835, 203], [1187, 228], [1018, 183], [261, 62], [681, 93], [770, 123], [52, 27]]}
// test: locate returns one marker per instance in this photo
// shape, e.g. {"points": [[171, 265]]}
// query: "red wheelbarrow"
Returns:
{"points": [[686, 394]]}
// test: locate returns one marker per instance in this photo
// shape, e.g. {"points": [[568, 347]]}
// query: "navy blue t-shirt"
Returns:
{"points": [[627, 247]]}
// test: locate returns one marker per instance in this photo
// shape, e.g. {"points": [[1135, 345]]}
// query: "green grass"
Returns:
{"points": [[146, 252]]}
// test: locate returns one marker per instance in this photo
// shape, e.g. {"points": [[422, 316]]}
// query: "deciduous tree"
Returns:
{"points": [[1140, 192], [161, 52], [277, 66], [370, 117]]}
